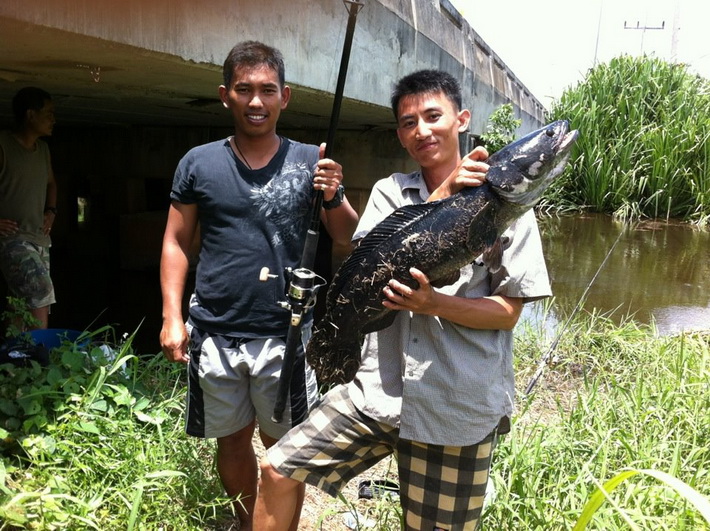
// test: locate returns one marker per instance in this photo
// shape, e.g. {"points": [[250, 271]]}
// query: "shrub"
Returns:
{"points": [[644, 146]]}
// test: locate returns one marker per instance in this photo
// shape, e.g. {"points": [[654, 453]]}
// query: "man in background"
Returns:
{"points": [[28, 203]]}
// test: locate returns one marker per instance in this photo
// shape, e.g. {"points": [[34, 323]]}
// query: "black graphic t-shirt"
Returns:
{"points": [[249, 219]]}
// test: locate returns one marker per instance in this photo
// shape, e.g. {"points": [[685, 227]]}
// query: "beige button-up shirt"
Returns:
{"points": [[439, 382]]}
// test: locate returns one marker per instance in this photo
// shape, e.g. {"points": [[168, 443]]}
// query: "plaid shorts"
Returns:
{"points": [[25, 267], [441, 487]]}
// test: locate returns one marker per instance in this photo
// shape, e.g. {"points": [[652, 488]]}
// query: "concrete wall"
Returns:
{"points": [[392, 38]]}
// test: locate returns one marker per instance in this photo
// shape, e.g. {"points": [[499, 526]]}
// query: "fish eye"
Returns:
{"points": [[550, 131]]}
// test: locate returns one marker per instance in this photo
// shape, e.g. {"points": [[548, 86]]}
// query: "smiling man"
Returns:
{"points": [[436, 387], [251, 194]]}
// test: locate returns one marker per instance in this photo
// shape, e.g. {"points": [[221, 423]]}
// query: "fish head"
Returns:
{"points": [[521, 171]]}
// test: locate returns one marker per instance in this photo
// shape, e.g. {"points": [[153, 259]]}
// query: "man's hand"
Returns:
{"points": [[402, 297], [8, 227], [49, 218], [328, 175], [174, 342], [471, 171]]}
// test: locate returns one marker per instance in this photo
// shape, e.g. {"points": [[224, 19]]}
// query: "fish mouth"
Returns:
{"points": [[568, 139]]}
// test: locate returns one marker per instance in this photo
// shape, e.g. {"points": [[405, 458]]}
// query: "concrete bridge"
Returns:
{"points": [[135, 86]]}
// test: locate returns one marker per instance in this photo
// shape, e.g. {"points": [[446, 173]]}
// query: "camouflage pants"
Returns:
{"points": [[25, 267]]}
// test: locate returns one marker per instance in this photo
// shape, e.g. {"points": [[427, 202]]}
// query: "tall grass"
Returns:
{"points": [[644, 148], [621, 407], [619, 398]]}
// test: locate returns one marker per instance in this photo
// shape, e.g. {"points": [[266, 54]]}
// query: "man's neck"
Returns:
{"points": [[26, 138], [258, 151], [434, 176]]}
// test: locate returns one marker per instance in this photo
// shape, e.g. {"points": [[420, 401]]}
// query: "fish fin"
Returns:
{"points": [[447, 280], [334, 354], [396, 221], [492, 256]]}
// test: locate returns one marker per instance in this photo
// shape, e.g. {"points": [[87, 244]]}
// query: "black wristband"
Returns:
{"points": [[337, 199], [53, 210]]}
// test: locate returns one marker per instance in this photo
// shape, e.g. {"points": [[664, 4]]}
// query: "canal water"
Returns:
{"points": [[656, 273]]}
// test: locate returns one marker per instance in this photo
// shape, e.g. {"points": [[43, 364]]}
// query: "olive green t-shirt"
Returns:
{"points": [[23, 187]]}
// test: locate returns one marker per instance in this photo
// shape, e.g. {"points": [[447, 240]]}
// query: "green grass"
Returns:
{"points": [[98, 446], [619, 399], [95, 446]]}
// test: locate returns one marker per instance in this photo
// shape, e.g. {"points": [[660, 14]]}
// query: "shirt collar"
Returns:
{"points": [[415, 181]]}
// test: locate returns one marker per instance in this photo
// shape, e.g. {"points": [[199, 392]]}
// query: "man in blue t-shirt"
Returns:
{"points": [[251, 194]]}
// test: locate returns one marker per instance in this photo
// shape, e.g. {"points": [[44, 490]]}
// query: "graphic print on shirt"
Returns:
{"points": [[285, 201]]}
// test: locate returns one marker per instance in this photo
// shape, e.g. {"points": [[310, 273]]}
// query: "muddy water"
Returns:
{"points": [[658, 273]]}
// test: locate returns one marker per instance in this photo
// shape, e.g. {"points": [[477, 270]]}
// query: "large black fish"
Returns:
{"points": [[438, 238]]}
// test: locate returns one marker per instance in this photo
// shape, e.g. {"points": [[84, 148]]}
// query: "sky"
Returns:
{"points": [[550, 45]]}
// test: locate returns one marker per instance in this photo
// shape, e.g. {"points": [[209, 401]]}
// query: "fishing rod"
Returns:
{"points": [[546, 358], [303, 282]]}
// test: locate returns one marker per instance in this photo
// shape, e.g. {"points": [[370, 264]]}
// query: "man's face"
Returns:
{"points": [[255, 99], [42, 121], [428, 128]]}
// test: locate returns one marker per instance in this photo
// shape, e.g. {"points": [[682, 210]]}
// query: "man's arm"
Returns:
{"points": [[174, 264], [341, 223], [7, 226], [50, 202], [494, 312]]}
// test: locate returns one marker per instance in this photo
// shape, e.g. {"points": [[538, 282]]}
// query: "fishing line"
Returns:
{"points": [[546, 358]]}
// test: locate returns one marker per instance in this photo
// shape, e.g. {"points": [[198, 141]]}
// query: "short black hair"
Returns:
{"points": [[28, 98], [253, 53], [426, 81]]}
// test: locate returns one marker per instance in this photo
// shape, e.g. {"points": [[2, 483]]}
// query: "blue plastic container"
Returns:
{"points": [[53, 337]]}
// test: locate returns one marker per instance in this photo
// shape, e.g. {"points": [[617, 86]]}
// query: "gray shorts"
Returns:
{"points": [[440, 486], [232, 381], [25, 267]]}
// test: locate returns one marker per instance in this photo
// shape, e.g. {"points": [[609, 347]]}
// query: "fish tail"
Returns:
{"points": [[334, 354]]}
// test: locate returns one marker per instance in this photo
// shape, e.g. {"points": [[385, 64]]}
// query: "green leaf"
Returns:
{"points": [[100, 405], [123, 397], [89, 427], [54, 376], [73, 359], [31, 407], [13, 423], [8, 407], [141, 404], [39, 421], [157, 419], [701, 503]]}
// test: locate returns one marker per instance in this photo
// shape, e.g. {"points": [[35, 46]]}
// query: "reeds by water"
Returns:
{"points": [[644, 148]]}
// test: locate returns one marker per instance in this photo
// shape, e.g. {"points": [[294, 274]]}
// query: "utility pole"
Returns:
{"points": [[674, 32], [643, 29]]}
